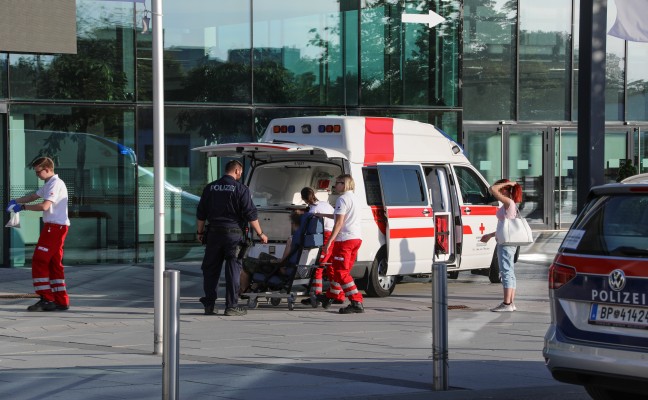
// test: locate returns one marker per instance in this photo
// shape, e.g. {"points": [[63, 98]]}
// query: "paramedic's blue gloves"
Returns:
{"points": [[15, 207]]}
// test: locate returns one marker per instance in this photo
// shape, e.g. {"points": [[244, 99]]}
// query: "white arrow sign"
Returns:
{"points": [[432, 19]]}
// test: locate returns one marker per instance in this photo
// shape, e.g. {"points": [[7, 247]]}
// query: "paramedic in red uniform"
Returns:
{"points": [[323, 208], [227, 205], [345, 240], [47, 265]]}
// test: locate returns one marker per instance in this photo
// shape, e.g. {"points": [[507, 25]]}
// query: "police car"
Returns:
{"points": [[598, 289]]}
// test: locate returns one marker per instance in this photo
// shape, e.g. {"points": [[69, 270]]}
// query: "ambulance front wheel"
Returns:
{"points": [[379, 284]]}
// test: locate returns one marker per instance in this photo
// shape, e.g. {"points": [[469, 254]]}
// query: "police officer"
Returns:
{"points": [[227, 205]]}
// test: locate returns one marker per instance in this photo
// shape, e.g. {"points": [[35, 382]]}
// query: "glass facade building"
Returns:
{"points": [[519, 92], [230, 66], [499, 75]]}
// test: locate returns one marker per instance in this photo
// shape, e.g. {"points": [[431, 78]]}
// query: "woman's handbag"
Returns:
{"points": [[514, 232]]}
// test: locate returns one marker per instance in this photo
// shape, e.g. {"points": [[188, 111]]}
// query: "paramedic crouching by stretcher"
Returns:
{"points": [[227, 205], [346, 240]]}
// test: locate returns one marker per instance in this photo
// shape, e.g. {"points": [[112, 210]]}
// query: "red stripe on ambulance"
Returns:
{"points": [[411, 233], [479, 210], [409, 212], [379, 140]]}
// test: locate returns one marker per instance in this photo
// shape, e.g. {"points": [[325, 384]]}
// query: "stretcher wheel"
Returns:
{"points": [[291, 305], [253, 303], [275, 301]]}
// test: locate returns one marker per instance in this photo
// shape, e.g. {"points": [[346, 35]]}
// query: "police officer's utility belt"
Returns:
{"points": [[224, 229]]}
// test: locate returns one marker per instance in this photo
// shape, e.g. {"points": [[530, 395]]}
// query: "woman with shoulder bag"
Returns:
{"points": [[509, 194]]}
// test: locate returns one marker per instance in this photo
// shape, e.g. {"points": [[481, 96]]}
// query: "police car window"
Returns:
{"points": [[403, 186], [613, 225], [473, 189]]}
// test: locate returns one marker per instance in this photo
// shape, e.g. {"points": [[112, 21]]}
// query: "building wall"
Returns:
{"points": [[230, 66]]}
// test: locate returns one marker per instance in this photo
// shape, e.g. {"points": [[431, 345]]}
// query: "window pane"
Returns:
{"points": [[545, 29], [4, 61], [92, 153], [409, 63], [637, 82], [484, 150], [473, 190], [615, 155], [489, 60], [402, 186], [186, 172], [298, 54], [104, 59], [614, 72], [206, 52]]}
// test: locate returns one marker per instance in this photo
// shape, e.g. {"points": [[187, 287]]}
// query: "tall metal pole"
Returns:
{"points": [[439, 326], [591, 98], [158, 173], [171, 356]]}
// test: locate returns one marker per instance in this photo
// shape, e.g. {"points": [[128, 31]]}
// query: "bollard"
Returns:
{"points": [[439, 327], [171, 332]]}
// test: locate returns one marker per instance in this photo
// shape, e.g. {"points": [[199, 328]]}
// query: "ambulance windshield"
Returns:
{"points": [[280, 183]]}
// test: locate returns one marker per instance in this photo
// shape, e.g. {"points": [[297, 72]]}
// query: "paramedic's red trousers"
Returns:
{"points": [[344, 255], [47, 265], [318, 273]]}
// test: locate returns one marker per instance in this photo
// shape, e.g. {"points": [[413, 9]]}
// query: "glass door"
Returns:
{"points": [[564, 192], [525, 166]]}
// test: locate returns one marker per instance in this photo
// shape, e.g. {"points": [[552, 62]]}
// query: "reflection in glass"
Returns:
{"points": [[186, 172], [93, 153], [526, 168], [103, 60], [406, 63], [484, 150], [489, 59], [298, 52], [637, 106], [614, 73], [614, 155], [566, 145], [545, 59], [206, 52], [4, 65]]}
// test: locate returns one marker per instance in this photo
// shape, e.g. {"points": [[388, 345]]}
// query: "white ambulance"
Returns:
{"points": [[410, 178]]}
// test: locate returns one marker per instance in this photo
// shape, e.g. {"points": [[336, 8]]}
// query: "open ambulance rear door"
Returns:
{"points": [[263, 151], [410, 219]]}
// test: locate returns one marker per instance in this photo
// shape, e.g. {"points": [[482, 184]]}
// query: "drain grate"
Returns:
{"points": [[457, 307], [19, 296]]}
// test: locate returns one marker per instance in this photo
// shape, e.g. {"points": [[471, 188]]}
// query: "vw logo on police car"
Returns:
{"points": [[617, 280]]}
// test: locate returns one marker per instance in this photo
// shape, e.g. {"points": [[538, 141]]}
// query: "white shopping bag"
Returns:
{"points": [[14, 221]]}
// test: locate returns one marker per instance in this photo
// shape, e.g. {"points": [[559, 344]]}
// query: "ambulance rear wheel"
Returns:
{"points": [[453, 274], [275, 301], [380, 284]]}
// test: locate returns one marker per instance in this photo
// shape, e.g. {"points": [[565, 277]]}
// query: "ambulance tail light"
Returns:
{"points": [[283, 129], [329, 128], [559, 275]]}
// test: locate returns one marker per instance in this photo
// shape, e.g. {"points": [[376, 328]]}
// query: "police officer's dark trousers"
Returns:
{"points": [[222, 245]]}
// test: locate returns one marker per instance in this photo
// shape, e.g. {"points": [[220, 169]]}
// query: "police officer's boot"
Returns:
{"points": [[354, 308]]}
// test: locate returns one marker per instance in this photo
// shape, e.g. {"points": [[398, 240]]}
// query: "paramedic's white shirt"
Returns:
{"points": [[352, 228], [55, 191], [323, 207]]}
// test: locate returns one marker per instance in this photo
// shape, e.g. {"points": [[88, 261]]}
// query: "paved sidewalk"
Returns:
{"points": [[102, 347]]}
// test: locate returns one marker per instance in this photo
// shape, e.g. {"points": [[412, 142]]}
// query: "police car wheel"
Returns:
{"points": [[380, 285], [602, 393]]}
